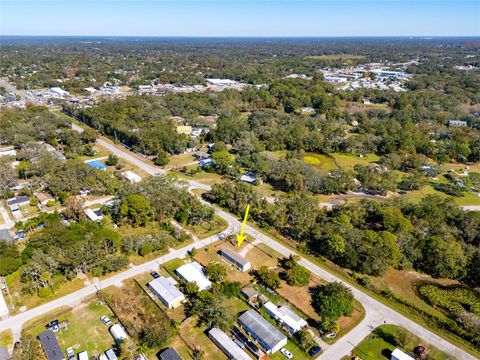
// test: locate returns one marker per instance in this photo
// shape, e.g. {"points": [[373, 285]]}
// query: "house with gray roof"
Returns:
{"points": [[262, 331], [50, 345]]}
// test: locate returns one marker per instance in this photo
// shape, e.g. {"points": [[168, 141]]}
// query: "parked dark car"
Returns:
{"points": [[314, 351], [155, 275]]}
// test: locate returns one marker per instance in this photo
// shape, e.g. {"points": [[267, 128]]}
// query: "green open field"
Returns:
{"points": [[85, 329], [382, 341]]}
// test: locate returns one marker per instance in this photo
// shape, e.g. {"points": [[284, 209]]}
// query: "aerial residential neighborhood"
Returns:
{"points": [[271, 180]]}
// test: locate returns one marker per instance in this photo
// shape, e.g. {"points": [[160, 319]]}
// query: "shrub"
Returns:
{"points": [[146, 249], [44, 292], [33, 201], [50, 203]]}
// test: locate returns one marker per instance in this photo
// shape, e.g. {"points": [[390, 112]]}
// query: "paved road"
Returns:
{"points": [[376, 312], [15, 322]]}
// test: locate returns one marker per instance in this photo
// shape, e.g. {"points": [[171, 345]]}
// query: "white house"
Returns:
{"points": [[3, 306], [285, 316], [131, 176], [398, 354], [166, 291], [118, 333], [8, 152], [193, 272], [93, 215], [59, 92]]}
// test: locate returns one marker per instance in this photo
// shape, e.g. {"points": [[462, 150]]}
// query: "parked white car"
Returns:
{"points": [[287, 353]]}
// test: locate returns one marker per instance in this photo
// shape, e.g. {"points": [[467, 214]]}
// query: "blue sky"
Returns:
{"points": [[240, 18]]}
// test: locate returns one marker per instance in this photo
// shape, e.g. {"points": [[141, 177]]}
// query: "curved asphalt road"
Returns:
{"points": [[376, 312]]}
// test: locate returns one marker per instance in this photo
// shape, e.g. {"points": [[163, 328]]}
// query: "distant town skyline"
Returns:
{"points": [[240, 18]]}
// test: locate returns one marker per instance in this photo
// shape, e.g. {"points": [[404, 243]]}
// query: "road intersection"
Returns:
{"points": [[377, 313]]}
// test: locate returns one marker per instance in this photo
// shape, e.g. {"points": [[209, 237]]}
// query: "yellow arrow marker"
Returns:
{"points": [[241, 236]]}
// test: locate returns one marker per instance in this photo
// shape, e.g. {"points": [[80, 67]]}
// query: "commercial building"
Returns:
{"points": [[169, 354], [236, 259], [166, 291], [131, 176], [227, 345], [398, 354], [193, 272], [262, 331], [50, 345], [284, 315]]}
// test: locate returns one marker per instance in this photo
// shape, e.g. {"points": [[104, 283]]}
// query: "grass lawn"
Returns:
{"points": [[178, 161], [348, 161], [404, 282], [381, 342], [207, 229], [203, 177], [196, 338], [320, 161], [294, 349], [172, 265], [6, 338], [416, 196], [85, 329], [62, 287]]}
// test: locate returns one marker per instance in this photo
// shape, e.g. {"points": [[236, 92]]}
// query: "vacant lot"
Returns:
{"points": [[403, 283], [195, 337], [139, 314], [382, 341], [82, 321], [208, 228], [61, 286]]}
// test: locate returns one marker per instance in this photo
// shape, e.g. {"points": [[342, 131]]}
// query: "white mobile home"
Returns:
{"points": [[193, 272], [166, 291]]}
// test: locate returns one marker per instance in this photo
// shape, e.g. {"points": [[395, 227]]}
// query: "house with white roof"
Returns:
{"points": [[166, 291], [93, 215], [131, 176], [398, 354], [193, 272], [285, 316]]}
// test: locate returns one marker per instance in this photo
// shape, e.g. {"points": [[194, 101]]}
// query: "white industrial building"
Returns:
{"points": [[227, 345], [166, 291], [131, 176], [284, 315], [193, 272]]}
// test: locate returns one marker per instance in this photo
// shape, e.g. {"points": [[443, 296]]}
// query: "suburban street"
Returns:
{"points": [[376, 312]]}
